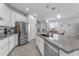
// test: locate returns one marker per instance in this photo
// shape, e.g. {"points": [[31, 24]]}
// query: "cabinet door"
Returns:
{"points": [[37, 41], [16, 39], [4, 47], [20, 17], [11, 43], [5, 14], [2, 22], [40, 44], [13, 18], [49, 50]]}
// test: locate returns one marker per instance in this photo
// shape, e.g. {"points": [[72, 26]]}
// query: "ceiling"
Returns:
{"points": [[47, 10]]}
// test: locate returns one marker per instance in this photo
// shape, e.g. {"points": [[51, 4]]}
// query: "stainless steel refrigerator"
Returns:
{"points": [[22, 31]]}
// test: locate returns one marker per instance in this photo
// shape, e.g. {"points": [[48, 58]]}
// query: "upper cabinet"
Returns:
{"points": [[9, 16], [5, 14], [20, 17], [13, 18]]}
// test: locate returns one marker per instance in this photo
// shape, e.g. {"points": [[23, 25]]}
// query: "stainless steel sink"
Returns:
{"points": [[45, 35]]}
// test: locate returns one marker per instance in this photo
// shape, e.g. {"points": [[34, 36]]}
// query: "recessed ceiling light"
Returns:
{"points": [[47, 21], [58, 16], [27, 9]]}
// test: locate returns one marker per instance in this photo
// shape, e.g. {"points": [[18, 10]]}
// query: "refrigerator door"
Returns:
{"points": [[23, 36]]}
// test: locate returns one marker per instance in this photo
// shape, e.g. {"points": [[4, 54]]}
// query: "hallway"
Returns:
{"points": [[28, 49]]}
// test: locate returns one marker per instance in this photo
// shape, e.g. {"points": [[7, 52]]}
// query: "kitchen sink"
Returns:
{"points": [[45, 35]]}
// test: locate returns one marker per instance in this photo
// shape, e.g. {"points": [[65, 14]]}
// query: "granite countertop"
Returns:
{"points": [[66, 43], [5, 36]]}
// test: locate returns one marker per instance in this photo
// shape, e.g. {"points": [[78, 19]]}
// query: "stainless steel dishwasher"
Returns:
{"points": [[50, 49]]}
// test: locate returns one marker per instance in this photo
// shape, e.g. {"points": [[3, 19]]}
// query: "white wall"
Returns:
{"points": [[70, 26]]}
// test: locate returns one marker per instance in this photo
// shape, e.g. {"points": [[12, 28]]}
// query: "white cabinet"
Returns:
{"points": [[40, 44], [9, 16], [11, 43], [20, 17], [13, 19], [15, 16], [4, 47], [5, 14], [7, 44], [2, 22], [16, 39]]}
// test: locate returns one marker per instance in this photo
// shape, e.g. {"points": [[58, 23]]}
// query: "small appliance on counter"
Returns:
{"points": [[4, 31]]}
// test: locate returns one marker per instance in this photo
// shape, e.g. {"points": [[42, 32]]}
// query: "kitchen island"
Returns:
{"points": [[64, 46]]}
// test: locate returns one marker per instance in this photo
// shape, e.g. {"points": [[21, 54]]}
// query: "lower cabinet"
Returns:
{"points": [[16, 39], [7, 44], [4, 47], [11, 43], [40, 44]]}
